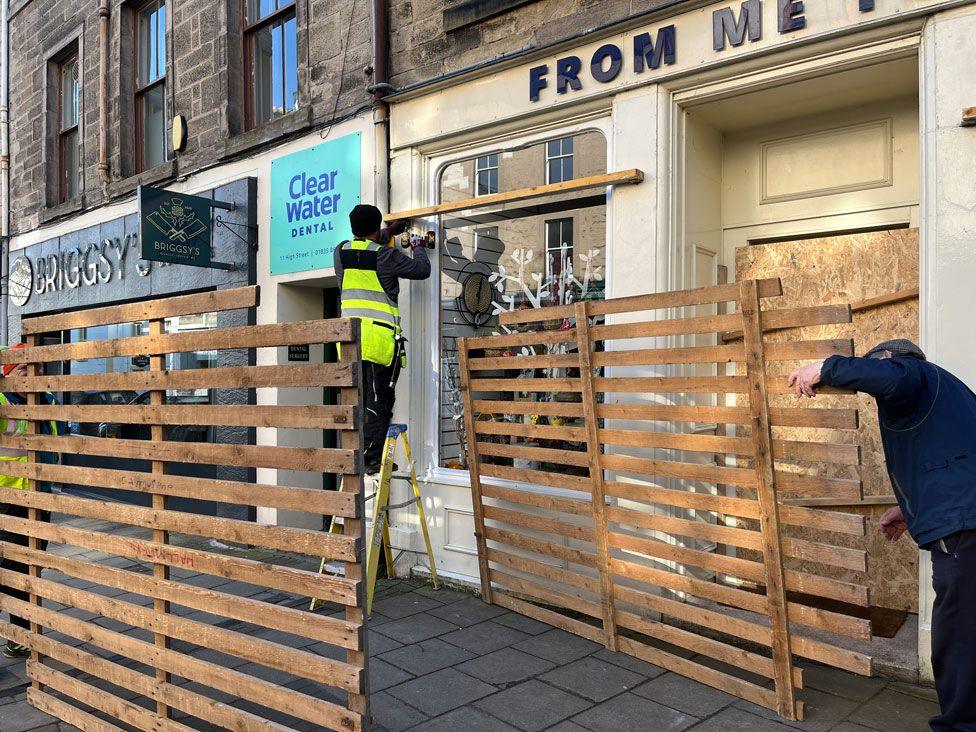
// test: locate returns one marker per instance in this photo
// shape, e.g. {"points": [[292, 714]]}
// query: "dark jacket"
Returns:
{"points": [[928, 428], [391, 265]]}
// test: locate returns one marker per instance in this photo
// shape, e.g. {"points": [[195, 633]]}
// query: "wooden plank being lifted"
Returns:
{"points": [[622, 177], [204, 302]]}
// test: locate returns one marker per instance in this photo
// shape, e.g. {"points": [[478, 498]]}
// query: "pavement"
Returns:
{"points": [[443, 660]]}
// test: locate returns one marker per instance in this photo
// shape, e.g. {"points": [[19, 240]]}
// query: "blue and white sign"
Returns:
{"points": [[312, 193]]}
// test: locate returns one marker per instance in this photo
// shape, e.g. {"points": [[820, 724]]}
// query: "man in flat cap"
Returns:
{"points": [[928, 429]]}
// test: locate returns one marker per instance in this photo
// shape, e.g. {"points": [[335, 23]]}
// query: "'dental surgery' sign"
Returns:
{"points": [[312, 193]]}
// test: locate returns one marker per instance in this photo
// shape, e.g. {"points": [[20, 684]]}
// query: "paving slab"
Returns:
{"points": [[402, 604], [426, 657], [383, 675], [841, 683], [469, 719], [630, 663], [532, 705], [392, 714], [890, 710], [22, 717], [441, 691], [505, 667], [522, 623], [469, 611], [443, 594], [558, 646], [415, 628], [593, 679], [377, 643], [484, 637], [685, 695], [733, 719], [629, 712], [821, 711]]}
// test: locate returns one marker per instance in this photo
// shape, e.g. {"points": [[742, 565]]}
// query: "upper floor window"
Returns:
{"points": [[152, 148], [559, 160], [271, 59], [486, 175], [69, 157]]}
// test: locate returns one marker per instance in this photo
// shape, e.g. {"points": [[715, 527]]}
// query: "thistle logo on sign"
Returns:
{"points": [[312, 193], [175, 227]]}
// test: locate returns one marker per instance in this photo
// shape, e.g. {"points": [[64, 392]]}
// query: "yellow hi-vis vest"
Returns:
{"points": [[363, 297], [13, 454]]}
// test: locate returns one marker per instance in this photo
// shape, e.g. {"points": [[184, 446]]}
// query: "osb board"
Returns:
{"points": [[848, 269]]}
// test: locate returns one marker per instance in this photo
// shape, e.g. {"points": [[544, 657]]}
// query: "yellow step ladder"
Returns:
{"points": [[379, 533]]}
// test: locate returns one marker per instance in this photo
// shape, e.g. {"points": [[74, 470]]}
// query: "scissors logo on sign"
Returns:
{"points": [[176, 221]]}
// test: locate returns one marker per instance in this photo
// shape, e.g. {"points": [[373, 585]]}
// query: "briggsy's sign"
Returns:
{"points": [[312, 193], [731, 26]]}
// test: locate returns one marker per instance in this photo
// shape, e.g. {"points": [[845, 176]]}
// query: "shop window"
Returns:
{"points": [[69, 154], [530, 254], [559, 258], [271, 60], [486, 175], [151, 111], [559, 160]]}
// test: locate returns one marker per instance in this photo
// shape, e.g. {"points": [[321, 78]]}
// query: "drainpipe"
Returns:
{"points": [[103, 31], [381, 110], [4, 166]]}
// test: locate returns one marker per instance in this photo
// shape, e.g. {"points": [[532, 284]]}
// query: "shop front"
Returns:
{"points": [[817, 142]]}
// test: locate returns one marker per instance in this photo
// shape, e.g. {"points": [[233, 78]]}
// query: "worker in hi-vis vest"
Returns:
{"points": [[19, 483], [369, 269]]}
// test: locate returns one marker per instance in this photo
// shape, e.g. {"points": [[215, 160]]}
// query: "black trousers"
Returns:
{"points": [[379, 393], [954, 632], [9, 509]]}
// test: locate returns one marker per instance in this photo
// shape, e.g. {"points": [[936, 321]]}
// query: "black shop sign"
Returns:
{"points": [[177, 228]]}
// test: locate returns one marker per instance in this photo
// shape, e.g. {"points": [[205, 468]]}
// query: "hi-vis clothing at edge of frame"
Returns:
{"points": [[12, 454], [363, 297]]}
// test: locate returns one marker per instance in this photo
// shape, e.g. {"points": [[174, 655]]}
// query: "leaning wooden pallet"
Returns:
{"points": [[157, 534], [622, 547]]}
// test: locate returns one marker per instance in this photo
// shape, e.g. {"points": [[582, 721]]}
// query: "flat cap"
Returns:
{"points": [[898, 347]]}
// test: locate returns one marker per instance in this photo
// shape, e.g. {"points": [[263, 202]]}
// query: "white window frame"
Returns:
{"points": [[478, 170], [562, 156], [560, 222]]}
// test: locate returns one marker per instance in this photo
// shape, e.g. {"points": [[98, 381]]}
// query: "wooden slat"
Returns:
{"points": [[475, 470], [666, 327], [318, 417], [310, 500], [285, 538], [717, 679], [544, 361], [852, 524], [667, 384], [597, 495], [733, 656], [841, 502], [546, 594], [312, 459], [267, 653], [60, 709], [890, 298], [342, 590], [785, 417], [534, 431], [337, 330], [575, 580], [542, 454], [538, 523], [229, 377], [809, 350], [552, 409], [637, 303], [674, 469], [176, 697], [166, 307], [537, 477], [855, 560], [544, 501], [577, 627], [512, 340], [818, 485], [208, 674], [753, 321], [526, 385], [604, 180], [116, 707], [540, 546], [277, 617]]}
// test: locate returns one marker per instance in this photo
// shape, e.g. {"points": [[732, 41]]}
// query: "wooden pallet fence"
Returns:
{"points": [[627, 477], [125, 599]]}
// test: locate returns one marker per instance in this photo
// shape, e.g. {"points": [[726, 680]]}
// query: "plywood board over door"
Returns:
{"points": [[850, 268]]}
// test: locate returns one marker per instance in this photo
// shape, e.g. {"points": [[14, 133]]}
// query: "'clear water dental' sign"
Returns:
{"points": [[312, 193]]}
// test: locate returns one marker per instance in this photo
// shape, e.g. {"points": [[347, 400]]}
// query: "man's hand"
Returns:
{"points": [[892, 524], [804, 380]]}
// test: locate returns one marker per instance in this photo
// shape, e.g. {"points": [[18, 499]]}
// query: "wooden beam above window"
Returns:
{"points": [[623, 177]]}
